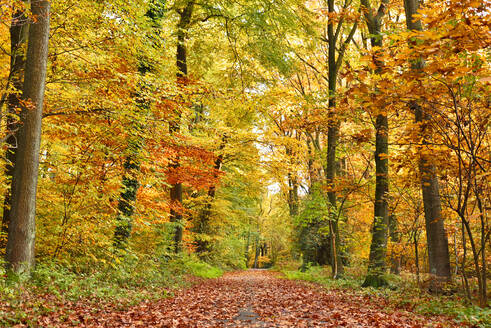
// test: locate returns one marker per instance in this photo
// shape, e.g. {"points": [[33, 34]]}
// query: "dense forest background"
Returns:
{"points": [[350, 134]]}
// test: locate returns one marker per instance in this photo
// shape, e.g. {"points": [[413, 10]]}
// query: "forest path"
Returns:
{"points": [[258, 298]]}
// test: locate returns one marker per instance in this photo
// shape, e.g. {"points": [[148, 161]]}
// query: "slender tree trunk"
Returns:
{"points": [[174, 125], [22, 227], [248, 242], [475, 257], [127, 198], [332, 141], [483, 297], [202, 245], [457, 268], [256, 256], [416, 257], [395, 260], [310, 166], [19, 30], [437, 241], [465, 281], [292, 187]]}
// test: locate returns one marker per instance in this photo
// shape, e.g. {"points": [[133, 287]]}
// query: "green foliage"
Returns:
{"points": [[321, 275], [204, 270], [228, 253], [472, 314], [312, 228]]}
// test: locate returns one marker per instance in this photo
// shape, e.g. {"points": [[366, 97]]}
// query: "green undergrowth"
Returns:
{"points": [[402, 293], [204, 270], [119, 284]]}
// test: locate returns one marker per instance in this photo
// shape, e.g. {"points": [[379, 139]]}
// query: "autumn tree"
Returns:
{"points": [[335, 60], [378, 247], [437, 242], [21, 237], [19, 29], [131, 164]]}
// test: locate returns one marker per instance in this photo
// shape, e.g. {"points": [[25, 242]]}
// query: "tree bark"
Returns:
{"points": [[416, 256], [378, 247], [292, 195], [483, 295], [202, 245], [256, 256], [395, 265], [127, 198], [333, 137], [22, 227], [174, 125], [437, 241], [19, 30]]}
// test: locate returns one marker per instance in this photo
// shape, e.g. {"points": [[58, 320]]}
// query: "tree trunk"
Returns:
{"points": [[378, 247], [437, 242], [483, 297], [19, 30], [248, 242], [127, 198], [256, 256], [416, 256], [292, 195], [332, 141], [202, 245], [22, 227], [174, 125], [395, 267], [465, 281]]}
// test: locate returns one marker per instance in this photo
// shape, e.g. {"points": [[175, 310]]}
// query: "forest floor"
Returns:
{"points": [[253, 298]]}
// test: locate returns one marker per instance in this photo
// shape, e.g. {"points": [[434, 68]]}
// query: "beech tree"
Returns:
{"points": [[335, 60], [21, 236], [126, 203], [19, 29], [437, 242], [248, 133], [378, 247]]}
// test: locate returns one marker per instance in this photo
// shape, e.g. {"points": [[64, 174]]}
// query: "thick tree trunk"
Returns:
{"points": [[378, 247], [438, 254], [19, 30], [174, 125], [22, 227]]}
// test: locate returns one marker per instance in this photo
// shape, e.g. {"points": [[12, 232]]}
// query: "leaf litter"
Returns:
{"points": [[253, 298]]}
